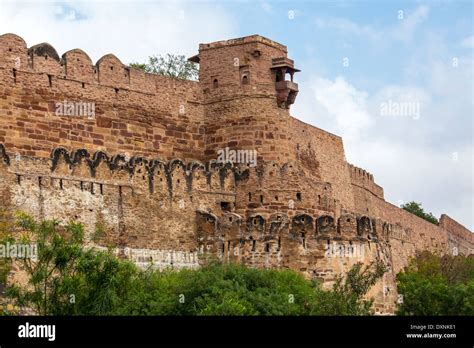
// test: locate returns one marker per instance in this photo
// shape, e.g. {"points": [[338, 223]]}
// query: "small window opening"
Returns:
{"points": [[225, 206]]}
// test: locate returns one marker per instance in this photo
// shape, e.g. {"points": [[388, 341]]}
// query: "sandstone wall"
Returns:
{"points": [[322, 153], [142, 176], [460, 239], [135, 112]]}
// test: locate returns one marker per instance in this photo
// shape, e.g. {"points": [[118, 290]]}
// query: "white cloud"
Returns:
{"points": [[343, 103], [130, 30], [468, 42], [413, 158], [424, 159], [408, 24], [402, 101]]}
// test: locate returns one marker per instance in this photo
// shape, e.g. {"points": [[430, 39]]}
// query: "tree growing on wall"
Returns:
{"points": [[170, 65], [415, 208]]}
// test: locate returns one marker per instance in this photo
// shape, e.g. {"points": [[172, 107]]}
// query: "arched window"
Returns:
{"points": [[245, 80], [215, 83]]}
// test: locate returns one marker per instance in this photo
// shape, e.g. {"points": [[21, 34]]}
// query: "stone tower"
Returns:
{"points": [[248, 87]]}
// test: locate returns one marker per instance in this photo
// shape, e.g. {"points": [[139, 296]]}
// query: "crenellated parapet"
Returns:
{"points": [[363, 179], [76, 66], [51, 100]]}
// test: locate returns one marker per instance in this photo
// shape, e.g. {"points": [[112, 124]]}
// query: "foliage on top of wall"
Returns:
{"points": [[415, 208]]}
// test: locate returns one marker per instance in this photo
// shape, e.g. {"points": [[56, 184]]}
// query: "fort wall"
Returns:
{"points": [[141, 173], [460, 239], [135, 112]]}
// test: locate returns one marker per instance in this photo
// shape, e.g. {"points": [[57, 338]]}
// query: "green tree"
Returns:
{"points": [[434, 285], [347, 295], [170, 65], [415, 208], [224, 289], [66, 277], [71, 279]]}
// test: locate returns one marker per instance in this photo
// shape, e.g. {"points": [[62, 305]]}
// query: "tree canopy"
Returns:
{"points": [[170, 65], [437, 285], [415, 208], [70, 279]]}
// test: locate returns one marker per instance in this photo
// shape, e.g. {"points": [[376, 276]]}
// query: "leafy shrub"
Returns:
{"points": [[70, 279], [434, 285]]}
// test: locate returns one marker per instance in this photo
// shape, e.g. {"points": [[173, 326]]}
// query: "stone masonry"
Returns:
{"points": [[142, 164]]}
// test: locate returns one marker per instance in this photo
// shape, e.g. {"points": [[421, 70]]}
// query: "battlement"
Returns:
{"points": [[364, 179], [76, 65]]}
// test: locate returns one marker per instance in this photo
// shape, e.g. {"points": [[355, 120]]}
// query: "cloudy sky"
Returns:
{"points": [[394, 80]]}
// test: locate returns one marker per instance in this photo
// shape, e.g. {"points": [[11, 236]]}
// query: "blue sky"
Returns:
{"points": [[417, 53]]}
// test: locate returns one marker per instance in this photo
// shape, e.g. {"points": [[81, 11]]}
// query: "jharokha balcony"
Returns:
{"points": [[287, 90]]}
